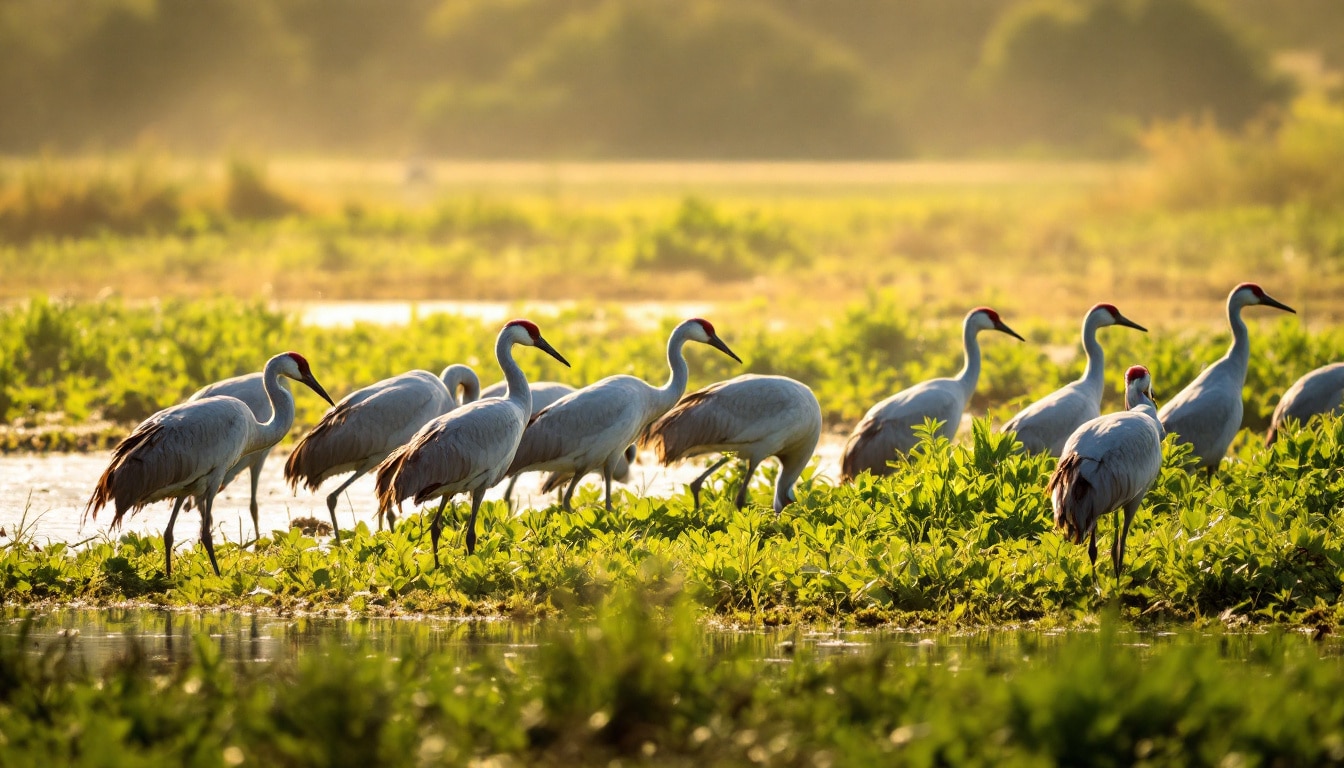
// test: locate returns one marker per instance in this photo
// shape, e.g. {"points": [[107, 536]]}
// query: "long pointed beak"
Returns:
{"points": [[1125, 321], [717, 343], [311, 381], [1004, 327], [1270, 301], [545, 346]]}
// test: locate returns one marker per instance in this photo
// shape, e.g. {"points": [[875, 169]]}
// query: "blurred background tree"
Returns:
{"points": [[645, 78]]}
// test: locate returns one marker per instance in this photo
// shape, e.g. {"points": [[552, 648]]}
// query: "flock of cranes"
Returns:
{"points": [[430, 437]]}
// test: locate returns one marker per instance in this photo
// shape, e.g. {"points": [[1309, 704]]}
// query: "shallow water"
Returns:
{"points": [[96, 636], [44, 495]]}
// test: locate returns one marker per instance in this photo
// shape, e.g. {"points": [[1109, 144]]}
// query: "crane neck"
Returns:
{"points": [[1136, 399], [462, 383], [516, 389], [969, 375], [1239, 354], [667, 395], [270, 432], [1094, 375], [789, 472]]}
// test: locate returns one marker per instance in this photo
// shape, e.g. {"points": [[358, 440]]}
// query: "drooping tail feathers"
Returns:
{"points": [[125, 486], [681, 429], [386, 480], [1072, 498]]}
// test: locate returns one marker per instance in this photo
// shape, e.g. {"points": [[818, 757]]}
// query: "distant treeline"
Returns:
{"points": [[640, 78]]}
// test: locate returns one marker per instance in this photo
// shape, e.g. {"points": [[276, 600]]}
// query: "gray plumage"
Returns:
{"points": [[755, 417], [251, 389], [591, 429], [466, 450], [369, 423], [1207, 413], [888, 428], [1318, 392], [188, 449], [1109, 463], [1046, 424]]}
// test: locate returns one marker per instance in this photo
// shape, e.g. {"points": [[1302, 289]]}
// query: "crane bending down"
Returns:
{"points": [[1043, 426], [543, 394], [1207, 413], [251, 389], [592, 428], [755, 417], [188, 449], [888, 427], [1318, 392], [468, 449], [370, 423], [1109, 464]]}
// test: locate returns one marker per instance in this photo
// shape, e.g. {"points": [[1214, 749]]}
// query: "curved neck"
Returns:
{"points": [[1137, 400], [789, 472], [282, 411], [1240, 351], [461, 377], [515, 383], [668, 394], [969, 375], [1095, 373]]}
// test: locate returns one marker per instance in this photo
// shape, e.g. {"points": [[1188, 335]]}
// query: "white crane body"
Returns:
{"points": [[755, 417], [1318, 392], [888, 427], [1045, 425]]}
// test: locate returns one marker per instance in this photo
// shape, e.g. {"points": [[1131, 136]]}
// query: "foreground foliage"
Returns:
{"points": [[648, 686], [961, 535]]}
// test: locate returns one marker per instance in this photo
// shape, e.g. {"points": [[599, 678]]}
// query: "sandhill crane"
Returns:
{"points": [[1043, 426], [188, 449], [1321, 391], [251, 389], [370, 423], [543, 394], [468, 449], [888, 427], [1109, 464], [1207, 413], [755, 417], [592, 428]]}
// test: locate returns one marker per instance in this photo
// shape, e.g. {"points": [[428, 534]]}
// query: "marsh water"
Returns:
{"points": [[97, 636]]}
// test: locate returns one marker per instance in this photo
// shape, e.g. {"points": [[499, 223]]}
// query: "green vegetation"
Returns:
{"points": [[961, 536], [68, 363], [648, 686], [640, 78]]}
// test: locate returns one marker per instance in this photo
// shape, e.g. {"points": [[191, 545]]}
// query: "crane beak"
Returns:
{"points": [[1125, 321], [1270, 301], [545, 346], [717, 343], [311, 381], [1000, 325]]}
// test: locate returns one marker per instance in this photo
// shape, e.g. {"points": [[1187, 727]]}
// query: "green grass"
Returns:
{"points": [[962, 536], [643, 684]]}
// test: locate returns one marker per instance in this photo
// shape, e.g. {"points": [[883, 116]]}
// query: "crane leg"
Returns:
{"points": [[476, 497], [206, 507], [168, 538], [335, 496], [569, 492], [746, 483], [435, 528], [606, 480], [255, 469], [1092, 556], [1211, 470], [699, 482], [508, 491], [1122, 533]]}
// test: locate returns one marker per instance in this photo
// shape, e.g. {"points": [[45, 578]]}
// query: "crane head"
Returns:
{"points": [[1247, 294], [701, 330], [986, 319], [1139, 376], [301, 372], [527, 333], [1107, 314]]}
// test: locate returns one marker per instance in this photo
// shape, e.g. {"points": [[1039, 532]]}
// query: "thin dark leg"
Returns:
{"points": [[1092, 556], [1118, 553], [435, 528], [168, 538], [606, 479], [476, 497], [746, 483], [508, 491], [256, 479], [569, 492], [1211, 470], [699, 482], [206, 507], [334, 497]]}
